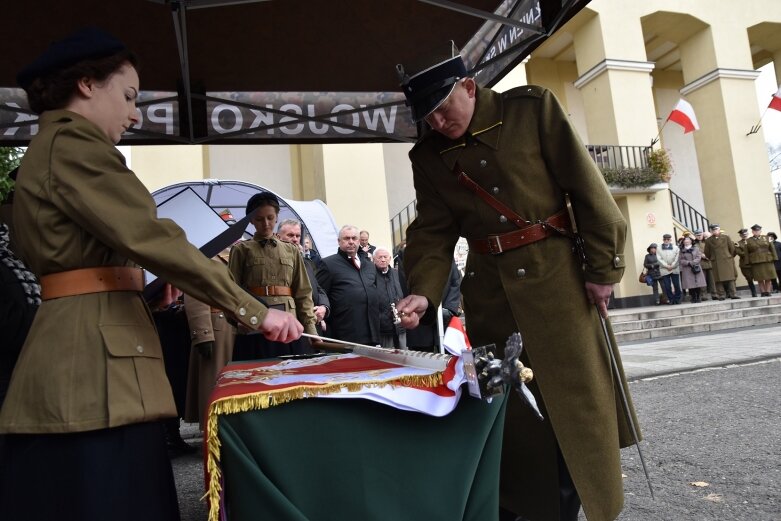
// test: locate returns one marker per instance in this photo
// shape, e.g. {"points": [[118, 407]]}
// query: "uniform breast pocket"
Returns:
{"points": [[286, 269], [136, 384]]}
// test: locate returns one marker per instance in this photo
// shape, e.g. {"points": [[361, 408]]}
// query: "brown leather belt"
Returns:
{"points": [[91, 280], [496, 244], [271, 291]]}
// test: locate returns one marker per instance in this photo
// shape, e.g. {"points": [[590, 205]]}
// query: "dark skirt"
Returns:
{"points": [[255, 347], [122, 474]]}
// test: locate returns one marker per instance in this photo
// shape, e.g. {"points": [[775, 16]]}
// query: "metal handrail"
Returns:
{"points": [[686, 214]]}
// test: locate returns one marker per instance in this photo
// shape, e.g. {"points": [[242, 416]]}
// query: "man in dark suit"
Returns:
{"points": [[290, 231], [350, 280]]}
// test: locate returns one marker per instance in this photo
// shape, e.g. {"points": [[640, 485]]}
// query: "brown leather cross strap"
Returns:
{"points": [[271, 291], [467, 182], [496, 244], [91, 280]]}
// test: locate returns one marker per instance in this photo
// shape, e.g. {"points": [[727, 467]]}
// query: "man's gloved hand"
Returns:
{"points": [[205, 349]]}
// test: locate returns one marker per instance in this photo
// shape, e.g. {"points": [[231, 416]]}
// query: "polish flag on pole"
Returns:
{"points": [[683, 114], [775, 101]]}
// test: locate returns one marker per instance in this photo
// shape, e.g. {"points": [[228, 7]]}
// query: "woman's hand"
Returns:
{"points": [[280, 326]]}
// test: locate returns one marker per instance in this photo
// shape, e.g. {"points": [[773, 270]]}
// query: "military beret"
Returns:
{"points": [[667, 236], [650, 246], [429, 88], [262, 199], [713, 226], [772, 234], [742, 231], [85, 44], [756, 227]]}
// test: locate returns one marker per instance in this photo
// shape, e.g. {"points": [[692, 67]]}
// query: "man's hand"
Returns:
{"points": [[411, 308], [281, 326], [319, 313], [599, 294], [205, 349]]}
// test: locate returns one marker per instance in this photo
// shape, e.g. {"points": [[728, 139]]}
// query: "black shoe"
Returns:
{"points": [[178, 447], [734, 297], [721, 298]]}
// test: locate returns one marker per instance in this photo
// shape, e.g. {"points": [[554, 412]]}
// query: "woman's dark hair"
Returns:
{"points": [[54, 90]]}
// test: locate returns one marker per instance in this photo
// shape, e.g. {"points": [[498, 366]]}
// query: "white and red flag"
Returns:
{"points": [[683, 114], [775, 101]]}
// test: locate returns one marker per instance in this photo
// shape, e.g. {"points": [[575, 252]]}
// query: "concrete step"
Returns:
{"points": [[700, 326], [653, 312], [685, 319], [705, 314]]}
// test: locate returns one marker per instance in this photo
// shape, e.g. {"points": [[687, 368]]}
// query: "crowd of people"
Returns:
{"points": [[702, 264]]}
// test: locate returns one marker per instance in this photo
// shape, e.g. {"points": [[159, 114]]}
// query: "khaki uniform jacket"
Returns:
{"points": [[762, 256], [521, 148], [743, 262], [721, 252], [206, 324], [94, 361], [254, 265]]}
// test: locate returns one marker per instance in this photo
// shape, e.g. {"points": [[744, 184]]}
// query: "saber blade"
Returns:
{"points": [[624, 401]]}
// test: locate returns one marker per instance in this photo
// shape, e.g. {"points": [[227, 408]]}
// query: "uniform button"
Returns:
{"points": [[520, 272], [205, 331], [195, 332], [495, 190], [140, 349], [483, 162], [471, 273], [253, 321], [222, 315], [502, 219], [242, 311], [617, 260]]}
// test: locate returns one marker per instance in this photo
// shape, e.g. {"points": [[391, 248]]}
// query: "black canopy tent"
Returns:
{"points": [[255, 71]]}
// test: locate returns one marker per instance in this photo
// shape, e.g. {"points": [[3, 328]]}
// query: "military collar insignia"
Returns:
{"points": [[485, 126]]}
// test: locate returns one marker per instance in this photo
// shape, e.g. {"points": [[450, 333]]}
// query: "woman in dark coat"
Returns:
{"points": [[651, 265], [692, 276]]}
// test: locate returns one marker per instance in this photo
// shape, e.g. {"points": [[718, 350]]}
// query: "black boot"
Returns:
{"points": [[173, 439], [569, 501]]}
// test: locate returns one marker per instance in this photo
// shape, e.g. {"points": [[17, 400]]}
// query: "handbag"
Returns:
{"points": [[696, 268], [642, 277]]}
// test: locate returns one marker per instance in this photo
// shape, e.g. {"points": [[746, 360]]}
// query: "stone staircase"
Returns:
{"points": [[684, 319]]}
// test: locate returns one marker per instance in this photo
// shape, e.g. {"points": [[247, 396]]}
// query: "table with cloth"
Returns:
{"points": [[274, 453]]}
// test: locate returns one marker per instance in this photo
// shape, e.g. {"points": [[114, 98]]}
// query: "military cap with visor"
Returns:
{"points": [[89, 43], [756, 227], [427, 89], [713, 226]]}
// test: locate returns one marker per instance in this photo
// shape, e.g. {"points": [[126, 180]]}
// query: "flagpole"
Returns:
{"points": [[656, 139], [756, 127]]}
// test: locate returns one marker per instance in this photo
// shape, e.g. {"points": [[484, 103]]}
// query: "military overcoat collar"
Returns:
{"points": [[485, 127]]}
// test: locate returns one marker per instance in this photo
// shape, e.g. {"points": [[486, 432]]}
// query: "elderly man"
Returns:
{"points": [[499, 169], [289, 230], [389, 293], [721, 251], [350, 280], [670, 269]]}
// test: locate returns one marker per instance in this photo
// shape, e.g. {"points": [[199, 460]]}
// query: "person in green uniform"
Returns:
{"points": [[272, 270], [89, 389], [762, 256], [521, 275], [720, 250], [741, 249]]}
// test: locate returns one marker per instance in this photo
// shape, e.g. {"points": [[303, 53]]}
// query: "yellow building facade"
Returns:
{"points": [[619, 68]]}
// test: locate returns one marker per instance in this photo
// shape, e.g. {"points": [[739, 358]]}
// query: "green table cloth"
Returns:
{"points": [[323, 459]]}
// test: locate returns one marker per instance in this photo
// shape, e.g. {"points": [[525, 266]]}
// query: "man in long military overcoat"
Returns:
{"points": [[743, 261], [720, 249], [522, 150]]}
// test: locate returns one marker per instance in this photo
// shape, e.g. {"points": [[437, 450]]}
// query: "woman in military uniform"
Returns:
{"points": [[88, 392], [762, 256], [274, 272]]}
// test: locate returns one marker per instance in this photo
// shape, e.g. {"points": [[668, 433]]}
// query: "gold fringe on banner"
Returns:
{"points": [[264, 400]]}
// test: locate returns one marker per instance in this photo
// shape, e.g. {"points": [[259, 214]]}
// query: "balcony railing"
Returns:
{"points": [[619, 157]]}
